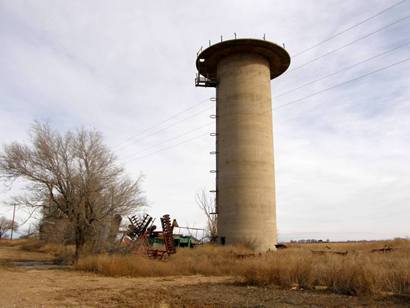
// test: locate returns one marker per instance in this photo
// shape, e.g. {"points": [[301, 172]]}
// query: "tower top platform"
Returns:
{"points": [[207, 60]]}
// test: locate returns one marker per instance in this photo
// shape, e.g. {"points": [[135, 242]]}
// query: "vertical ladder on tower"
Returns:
{"points": [[215, 152]]}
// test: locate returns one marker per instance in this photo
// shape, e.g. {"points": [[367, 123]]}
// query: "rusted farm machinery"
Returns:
{"points": [[143, 239]]}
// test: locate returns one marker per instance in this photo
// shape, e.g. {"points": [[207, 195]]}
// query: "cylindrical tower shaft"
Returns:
{"points": [[246, 184], [241, 71]]}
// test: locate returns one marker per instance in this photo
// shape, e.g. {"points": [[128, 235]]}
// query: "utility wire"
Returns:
{"points": [[186, 141], [173, 138], [175, 115], [340, 84], [380, 101], [286, 92], [166, 148], [144, 136], [283, 93], [342, 70], [305, 64], [288, 103], [132, 138], [350, 43], [348, 29]]}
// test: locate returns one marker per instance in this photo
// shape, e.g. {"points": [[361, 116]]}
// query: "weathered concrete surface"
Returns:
{"points": [[246, 180], [245, 163]]}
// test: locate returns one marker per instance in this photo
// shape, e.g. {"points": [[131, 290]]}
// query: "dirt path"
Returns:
{"points": [[52, 287]]}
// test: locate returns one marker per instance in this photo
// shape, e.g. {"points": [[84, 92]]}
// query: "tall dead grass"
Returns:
{"points": [[360, 272], [354, 274], [207, 260]]}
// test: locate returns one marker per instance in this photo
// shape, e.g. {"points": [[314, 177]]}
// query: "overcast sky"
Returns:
{"points": [[126, 68]]}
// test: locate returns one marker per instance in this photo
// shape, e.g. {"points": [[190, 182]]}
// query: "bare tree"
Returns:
{"points": [[206, 203], [6, 225], [74, 173]]}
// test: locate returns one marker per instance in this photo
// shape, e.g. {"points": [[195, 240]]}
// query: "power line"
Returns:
{"points": [[188, 132], [311, 61], [349, 28], [340, 84], [183, 142], [166, 148], [144, 136], [162, 122], [284, 105], [380, 101], [173, 138], [342, 70], [289, 103], [350, 43]]}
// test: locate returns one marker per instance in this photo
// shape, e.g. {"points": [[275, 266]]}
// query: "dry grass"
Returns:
{"points": [[63, 254], [207, 260], [360, 272], [32, 249], [13, 243], [356, 274]]}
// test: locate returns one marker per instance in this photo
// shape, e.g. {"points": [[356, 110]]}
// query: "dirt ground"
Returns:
{"points": [[51, 288], [34, 287]]}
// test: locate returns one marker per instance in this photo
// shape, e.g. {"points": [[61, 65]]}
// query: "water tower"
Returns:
{"points": [[241, 71]]}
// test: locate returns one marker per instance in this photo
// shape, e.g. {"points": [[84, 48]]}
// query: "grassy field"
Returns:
{"points": [[345, 268], [209, 276]]}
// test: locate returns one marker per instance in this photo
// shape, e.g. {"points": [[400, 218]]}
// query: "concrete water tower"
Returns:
{"points": [[241, 71]]}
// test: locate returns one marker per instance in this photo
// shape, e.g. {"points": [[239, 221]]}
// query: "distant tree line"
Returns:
{"points": [[310, 241]]}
